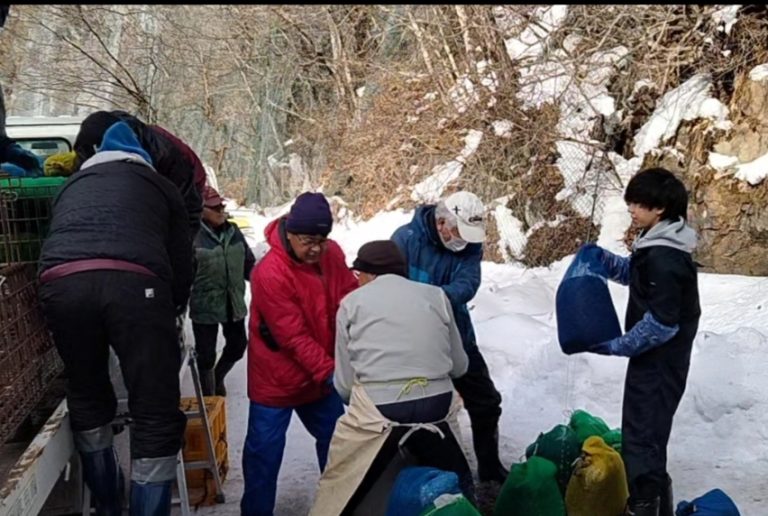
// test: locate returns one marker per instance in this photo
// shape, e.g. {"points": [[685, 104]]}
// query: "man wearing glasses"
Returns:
{"points": [[296, 290]]}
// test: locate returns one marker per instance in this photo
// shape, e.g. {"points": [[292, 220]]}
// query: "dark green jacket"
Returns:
{"points": [[224, 262]]}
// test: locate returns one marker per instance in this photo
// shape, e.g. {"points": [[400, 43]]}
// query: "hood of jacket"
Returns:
{"points": [[676, 234]]}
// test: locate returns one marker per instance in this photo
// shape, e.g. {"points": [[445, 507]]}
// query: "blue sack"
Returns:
{"points": [[583, 305], [12, 170], [417, 487], [713, 503]]}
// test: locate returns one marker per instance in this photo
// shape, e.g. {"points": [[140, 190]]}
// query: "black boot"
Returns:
{"points": [[666, 502], [485, 438], [207, 381], [643, 508], [222, 368]]}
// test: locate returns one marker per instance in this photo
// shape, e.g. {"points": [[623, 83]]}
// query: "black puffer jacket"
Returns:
{"points": [[124, 211]]}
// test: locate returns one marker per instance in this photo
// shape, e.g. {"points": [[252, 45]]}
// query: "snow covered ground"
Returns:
{"points": [[720, 436]]}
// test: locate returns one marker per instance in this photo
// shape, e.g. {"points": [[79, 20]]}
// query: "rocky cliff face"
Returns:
{"points": [[730, 213]]}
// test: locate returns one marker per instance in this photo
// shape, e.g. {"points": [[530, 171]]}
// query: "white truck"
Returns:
{"points": [[32, 470]]}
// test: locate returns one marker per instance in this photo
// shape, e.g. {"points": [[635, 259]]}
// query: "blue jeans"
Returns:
{"points": [[265, 442]]}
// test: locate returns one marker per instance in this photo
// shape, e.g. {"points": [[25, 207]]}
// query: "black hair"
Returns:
{"points": [[96, 124], [658, 188]]}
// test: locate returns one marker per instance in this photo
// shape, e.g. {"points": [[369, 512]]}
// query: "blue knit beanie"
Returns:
{"points": [[310, 215]]}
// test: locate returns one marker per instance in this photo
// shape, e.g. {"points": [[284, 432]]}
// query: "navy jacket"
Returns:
{"points": [[458, 274]]}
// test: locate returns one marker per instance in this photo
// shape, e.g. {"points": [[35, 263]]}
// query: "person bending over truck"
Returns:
{"points": [[116, 270]]}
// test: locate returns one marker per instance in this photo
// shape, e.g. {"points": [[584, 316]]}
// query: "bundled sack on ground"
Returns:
{"points": [[531, 488], [712, 503], [421, 491], [583, 305], [598, 485], [562, 447]]}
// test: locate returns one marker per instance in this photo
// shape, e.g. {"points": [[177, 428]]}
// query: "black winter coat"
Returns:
{"points": [[663, 280], [123, 211]]}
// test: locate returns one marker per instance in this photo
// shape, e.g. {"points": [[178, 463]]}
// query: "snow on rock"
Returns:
{"points": [[726, 17], [463, 94], [753, 172], [688, 101], [532, 40], [432, 187], [502, 128], [582, 102], [721, 162], [616, 219], [512, 238], [759, 73]]}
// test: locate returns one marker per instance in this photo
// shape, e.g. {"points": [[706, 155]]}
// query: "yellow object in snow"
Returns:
{"points": [[598, 485], [61, 164]]}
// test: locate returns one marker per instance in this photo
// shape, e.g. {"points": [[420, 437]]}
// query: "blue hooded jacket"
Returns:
{"points": [[458, 274]]}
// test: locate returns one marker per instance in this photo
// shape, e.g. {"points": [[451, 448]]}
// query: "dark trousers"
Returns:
{"points": [[133, 313], [427, 447], [652, 392], [235, 340], [481, 399]]}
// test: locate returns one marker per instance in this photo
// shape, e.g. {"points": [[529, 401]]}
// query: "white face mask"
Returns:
{"points": [[455, 245]]}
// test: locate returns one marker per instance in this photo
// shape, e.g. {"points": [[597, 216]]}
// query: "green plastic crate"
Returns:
{"points": [[25, 215]]}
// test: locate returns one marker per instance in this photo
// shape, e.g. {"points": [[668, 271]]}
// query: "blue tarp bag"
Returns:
{"points": [[583, 305], [712, 503], [417, 487]]}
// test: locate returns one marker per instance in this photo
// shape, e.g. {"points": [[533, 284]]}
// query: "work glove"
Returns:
{"points": [[647, 334]]}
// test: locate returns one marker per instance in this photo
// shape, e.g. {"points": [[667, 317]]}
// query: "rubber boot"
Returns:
{"points": [[207, 381], [644, 507], [666, 502], [222, 368], [105, 479], [152, 480], [151, 498], [101, 470], [485, 438]]}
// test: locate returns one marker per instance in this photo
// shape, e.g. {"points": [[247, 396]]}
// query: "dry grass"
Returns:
{"points": [[549, 244]]}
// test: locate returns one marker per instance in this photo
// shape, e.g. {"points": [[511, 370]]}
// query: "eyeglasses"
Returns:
{"points": [[218, 209], [311, 241]]}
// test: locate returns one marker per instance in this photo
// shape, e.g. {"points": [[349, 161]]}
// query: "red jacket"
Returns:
{"points": [[298, 303]]}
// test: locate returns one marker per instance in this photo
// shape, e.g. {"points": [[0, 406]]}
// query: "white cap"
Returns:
{"points": [[470, 215]]}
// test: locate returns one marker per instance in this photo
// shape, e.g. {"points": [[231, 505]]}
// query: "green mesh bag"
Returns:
{"points": [[531, 488], [613, 439], [586, 425], [561, 446]]}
